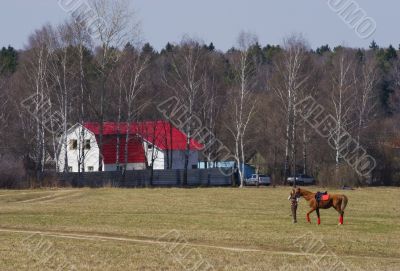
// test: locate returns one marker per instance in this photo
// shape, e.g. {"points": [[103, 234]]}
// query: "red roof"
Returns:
{"points": [[160, 133], [135, 150]]}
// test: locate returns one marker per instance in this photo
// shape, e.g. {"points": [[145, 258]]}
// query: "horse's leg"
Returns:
{"points": [[341, 214], [341, 218], [319, 219], [308, 215]]}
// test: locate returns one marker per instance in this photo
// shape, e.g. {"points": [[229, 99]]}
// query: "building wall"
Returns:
{"points": [[178, 159], [159, 162], [91, 155]]}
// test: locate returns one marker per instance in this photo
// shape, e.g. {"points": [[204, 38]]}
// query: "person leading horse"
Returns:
{"points": [[339, 202]]}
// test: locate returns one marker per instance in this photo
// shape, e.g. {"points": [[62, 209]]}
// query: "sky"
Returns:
{"points": [[219, 21]]}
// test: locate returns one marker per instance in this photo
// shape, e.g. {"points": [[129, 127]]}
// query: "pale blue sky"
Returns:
{"points": [[219, 21]]}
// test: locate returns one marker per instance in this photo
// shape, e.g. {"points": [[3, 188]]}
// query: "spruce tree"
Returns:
{"points": [[8, 60]]}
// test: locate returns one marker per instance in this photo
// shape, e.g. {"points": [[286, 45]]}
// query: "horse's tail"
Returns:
{"points": [[344, 202]]}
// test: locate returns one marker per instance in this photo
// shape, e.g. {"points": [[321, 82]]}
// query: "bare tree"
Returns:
{"points": [[242, 101], [4, 112], [290, 85], [154, 132], [37, 73], [135, 65], [210, 112], [61, 74], [366, 102], [342, 98], [116, 30], [82, 41], [186, 79], [395, 74], [120, 74]]}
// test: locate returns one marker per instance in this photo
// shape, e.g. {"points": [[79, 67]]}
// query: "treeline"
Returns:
{"points": [[246, 97]]}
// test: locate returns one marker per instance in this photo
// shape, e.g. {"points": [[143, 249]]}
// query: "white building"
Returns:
{"points": [[152, 142]]}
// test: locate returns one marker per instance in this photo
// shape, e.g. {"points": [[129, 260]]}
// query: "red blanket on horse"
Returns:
{"points": [[325, 197]]}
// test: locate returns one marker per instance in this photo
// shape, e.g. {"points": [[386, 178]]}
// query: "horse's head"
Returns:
{"points": [[295, 193]]}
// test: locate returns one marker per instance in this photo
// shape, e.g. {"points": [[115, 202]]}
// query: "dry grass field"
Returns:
{"points": [[194, 229]]}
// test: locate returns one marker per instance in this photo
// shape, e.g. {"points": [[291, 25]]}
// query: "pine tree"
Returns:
{"points": [[374, 46], [256, 54], [148, 49], [323, 49], [270, 51], [169, 47], [129, 47], [211, 47], [8, 60], [360, 55], [338, 48], [390, 53]]}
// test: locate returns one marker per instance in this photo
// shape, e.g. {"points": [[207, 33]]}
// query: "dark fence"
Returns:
{"points": [[142, 178]]}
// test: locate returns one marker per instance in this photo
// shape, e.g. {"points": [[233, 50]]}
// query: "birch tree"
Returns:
{"points": [[366, 95], [211, 99], [154, 132], [62, 77], [289, 86], [129, 83], [210, 112], [342, 98], [395, 75], [185, 79], [37, 73], [134, 67], [4, 112], [241, 99], [116, 28], [83, 43]]}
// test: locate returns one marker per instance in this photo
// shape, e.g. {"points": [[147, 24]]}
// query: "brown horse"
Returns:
{"points": [[339, 202]]}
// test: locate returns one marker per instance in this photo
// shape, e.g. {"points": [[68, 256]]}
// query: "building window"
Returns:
{"points": [[73, 144], [87, 144], [150, 146], [90, 169], [69, 169], [194, 166]]}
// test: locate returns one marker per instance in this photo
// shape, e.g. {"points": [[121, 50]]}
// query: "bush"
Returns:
{"points": [[12, 173], [344, 175]]}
